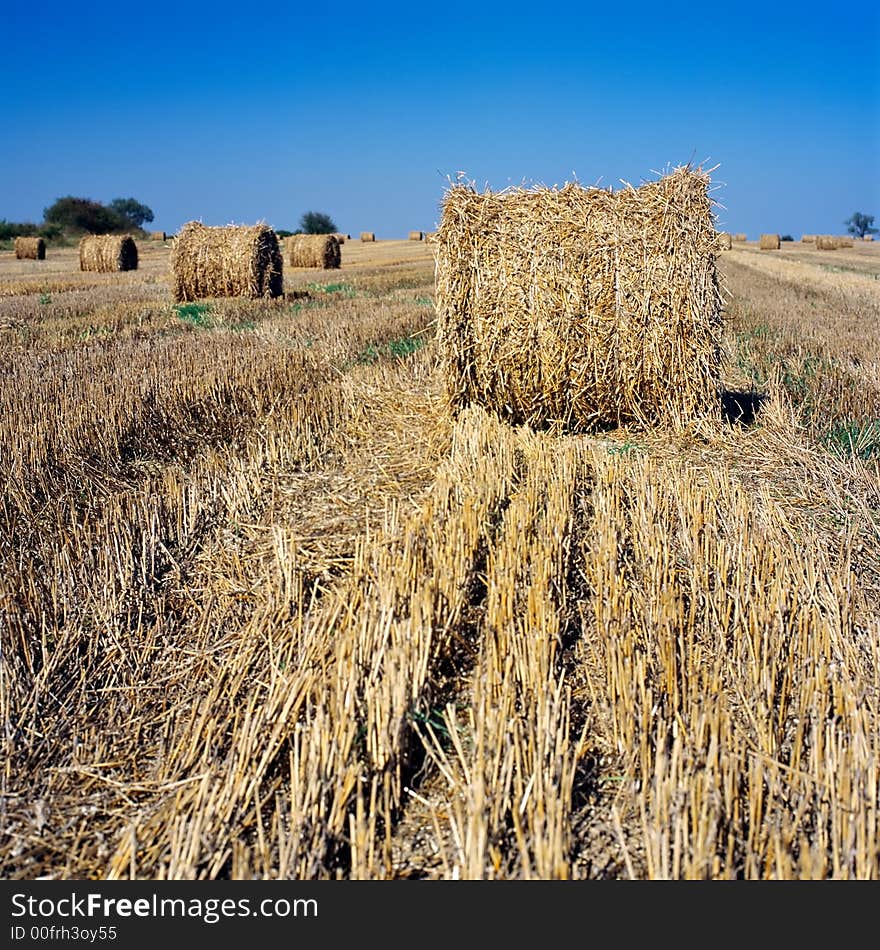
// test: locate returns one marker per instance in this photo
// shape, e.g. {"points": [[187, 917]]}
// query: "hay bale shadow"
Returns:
{"points": [[741, 407]]}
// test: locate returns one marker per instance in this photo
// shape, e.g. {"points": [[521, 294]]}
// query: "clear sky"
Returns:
{"points": [[232, 113]]}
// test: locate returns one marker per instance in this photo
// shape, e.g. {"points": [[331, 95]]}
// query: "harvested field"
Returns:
{"points": [[270, 610]]}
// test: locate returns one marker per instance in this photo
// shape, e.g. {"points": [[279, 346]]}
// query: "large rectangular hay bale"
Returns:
{"points": [[228, 261], [581, 306], [314, 250], [770, 242], [30, 248], [107, 253], [368, 236]]}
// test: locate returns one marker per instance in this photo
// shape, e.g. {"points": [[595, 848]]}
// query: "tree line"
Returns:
{"points": [[71, 216]]}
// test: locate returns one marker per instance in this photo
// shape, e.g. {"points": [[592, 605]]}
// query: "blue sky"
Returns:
{"points": [[231, 113]]}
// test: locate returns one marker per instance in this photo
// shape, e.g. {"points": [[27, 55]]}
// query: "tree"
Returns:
{"points": [[83, 214], [133, 211], [315, 222], [860, 224]]}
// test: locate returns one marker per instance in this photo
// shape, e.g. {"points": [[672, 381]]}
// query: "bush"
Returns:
{"points": [[316, 222]]}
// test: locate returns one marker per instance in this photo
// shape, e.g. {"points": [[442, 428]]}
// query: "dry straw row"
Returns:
{"points": [[230, 261], [30, 248], [106, 253], [314, 250], [579, 306]]}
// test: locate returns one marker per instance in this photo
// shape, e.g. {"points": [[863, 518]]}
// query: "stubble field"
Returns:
{"points": [[268, 610]]}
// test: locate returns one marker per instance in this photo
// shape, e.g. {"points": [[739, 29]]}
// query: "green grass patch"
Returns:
{"points": [[853, 439], [346, 290], [195, 314], [400, 349]]}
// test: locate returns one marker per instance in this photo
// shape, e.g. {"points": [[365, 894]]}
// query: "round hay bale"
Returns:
{"points": [[739, 237], [725, 241], [368, 236], [341, 238], [230, 261], [158, 236], [579, 306], [826, 242], [30, 248], [106, 253], [808, 239], [769, 242], [845, 241], [314, 250], [416, 235], [868, 237]]}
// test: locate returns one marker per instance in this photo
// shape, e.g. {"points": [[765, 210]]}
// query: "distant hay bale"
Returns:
{"points": [[725, 241], [769, 242], [368, 236], [868, 237], [580, 306], [230, 261], [739, 237], [808, 239], [340, 237], [314, 250], [416, 235], [826, 242], [30, 248], [106, 253], [157, 236], [844, 241]]}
